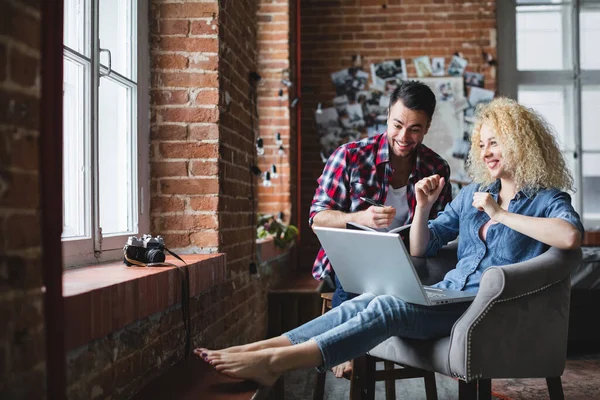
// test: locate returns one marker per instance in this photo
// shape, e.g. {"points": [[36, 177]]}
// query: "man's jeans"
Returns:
{"points": [[358, 325], [340, 295]]}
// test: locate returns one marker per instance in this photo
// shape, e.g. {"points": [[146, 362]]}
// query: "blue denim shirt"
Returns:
{"points": [[503, 245]]}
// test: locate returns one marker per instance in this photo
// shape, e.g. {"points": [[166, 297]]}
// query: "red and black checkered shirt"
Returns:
{"points": [[362, 169]]}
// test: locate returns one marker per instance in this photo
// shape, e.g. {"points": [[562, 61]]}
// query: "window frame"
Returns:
{"points": [[97, 248], [510, 78]]}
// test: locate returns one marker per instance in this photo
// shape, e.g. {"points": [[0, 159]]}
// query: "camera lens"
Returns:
{"points": [[155, 256]]}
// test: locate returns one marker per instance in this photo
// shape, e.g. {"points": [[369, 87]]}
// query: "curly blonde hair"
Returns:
{"points": [[529, 147]]}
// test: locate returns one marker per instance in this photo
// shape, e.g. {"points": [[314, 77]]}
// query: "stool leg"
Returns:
{"points": [[362, 382], [390, 384], [319, 392], [430, 386], [467, 391]]}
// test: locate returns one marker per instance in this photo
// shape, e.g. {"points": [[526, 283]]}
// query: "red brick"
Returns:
{"points": [[21, 193], [189, 186], [188, 150], [166, 204], [169, 61], [24, 69], [188, 10], [189, 115], [174, 27], [204, 132], [204, 203], [208, 27], [195, 44], [205, 238], [171, 168], [169, 132], [207, 62], [176, 240], [204, 168], [169, 97], [15, 22], [188, 222], [207, 97], [185, 79], [24, 231]]}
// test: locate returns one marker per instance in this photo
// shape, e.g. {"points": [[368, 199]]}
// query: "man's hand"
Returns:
{"points": [[377, 217], [484, 201], [428, 190]]}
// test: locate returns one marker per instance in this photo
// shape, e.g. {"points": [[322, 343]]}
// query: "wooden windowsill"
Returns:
{"points": [[105, 298], [267, 250]]}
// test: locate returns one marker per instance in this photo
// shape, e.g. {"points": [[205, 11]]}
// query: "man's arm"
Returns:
{"points": [[374, 217], [332, 201]]}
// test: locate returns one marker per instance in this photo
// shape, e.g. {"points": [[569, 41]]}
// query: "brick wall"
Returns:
{"points": [[274, 56], [204, 199], [22, 344], [334, 30]]}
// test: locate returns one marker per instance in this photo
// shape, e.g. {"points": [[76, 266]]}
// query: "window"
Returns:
{"points": [[105, 134], [548, 61]]}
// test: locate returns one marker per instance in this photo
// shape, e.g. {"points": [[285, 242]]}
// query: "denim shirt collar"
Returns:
{"points": [[494, 188]]}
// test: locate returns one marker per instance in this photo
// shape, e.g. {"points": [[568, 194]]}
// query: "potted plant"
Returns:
{"points": [[283, 235]]}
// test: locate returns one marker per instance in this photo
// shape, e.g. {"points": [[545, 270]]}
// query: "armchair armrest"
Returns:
{"points": [[517, 324]]}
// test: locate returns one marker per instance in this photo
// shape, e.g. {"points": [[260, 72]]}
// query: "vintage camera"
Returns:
{"points": [[146, 250]]}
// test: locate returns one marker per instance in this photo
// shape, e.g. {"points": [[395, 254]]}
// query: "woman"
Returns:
{"points": [[513, 212]]}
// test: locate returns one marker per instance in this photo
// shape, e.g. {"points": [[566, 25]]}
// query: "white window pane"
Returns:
{"points": [[117, 35], [554, 103], [116, 163], [76, 24], [590, 37], [590, 118], [76, 172], [591, 188], [543, 38]]}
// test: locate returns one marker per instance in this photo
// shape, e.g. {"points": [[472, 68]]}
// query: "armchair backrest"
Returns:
{"points": [[517, 325]]}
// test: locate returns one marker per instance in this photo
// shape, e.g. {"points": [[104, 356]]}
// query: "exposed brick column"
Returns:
{"points": [[22, 344], [185, 116], [332, 34], [274, 65]]}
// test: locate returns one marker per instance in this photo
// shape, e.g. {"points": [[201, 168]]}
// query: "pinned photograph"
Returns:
{"points": [[353, 117], [474, 79], [457, 66], [478, 95], [340, 103], [437, 66], [445, 91], [349, 81], [327, 118], [461, 148], [423, 66], [390, 85], [383, 71]]}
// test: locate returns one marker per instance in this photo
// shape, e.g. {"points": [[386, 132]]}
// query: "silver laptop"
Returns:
{"points": [[378, 263]]}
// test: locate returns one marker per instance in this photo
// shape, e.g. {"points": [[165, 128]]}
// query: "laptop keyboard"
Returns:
{"points": [[434, 295]]}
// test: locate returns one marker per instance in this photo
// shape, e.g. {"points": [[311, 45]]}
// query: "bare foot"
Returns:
{"points": [[254, 365], [342, 370], [279, 341]]}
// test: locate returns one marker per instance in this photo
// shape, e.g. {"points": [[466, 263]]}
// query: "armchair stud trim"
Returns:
{"points": [[470, 377]]}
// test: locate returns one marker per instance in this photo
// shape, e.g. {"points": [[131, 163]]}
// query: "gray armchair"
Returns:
{"points": [[515, 328]]}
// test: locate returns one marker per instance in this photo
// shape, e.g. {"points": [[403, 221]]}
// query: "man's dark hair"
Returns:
{"points": [[414, 95]]}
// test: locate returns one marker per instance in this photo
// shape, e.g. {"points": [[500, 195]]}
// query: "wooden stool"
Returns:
{"points": [[357, 386]]}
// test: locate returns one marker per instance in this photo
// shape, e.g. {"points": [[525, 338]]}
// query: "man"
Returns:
{"points": [[383, 168]]}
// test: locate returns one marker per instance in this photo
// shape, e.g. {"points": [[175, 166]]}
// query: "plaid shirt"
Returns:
{"points": [[362, 168]]}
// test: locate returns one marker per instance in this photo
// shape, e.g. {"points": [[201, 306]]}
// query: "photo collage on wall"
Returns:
{"points": [[360, 106]]}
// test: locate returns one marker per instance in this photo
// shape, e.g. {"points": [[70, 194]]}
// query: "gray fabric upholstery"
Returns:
{"points": [[515, 328]]}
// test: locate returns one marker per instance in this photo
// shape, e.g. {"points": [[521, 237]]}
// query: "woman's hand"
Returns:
{"points": [[428, 190], [484, 201]]}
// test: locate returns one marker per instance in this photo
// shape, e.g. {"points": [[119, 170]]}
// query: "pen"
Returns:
{"points": [[371, 202]]}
